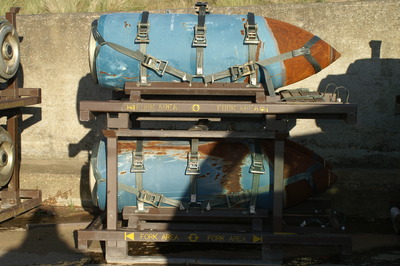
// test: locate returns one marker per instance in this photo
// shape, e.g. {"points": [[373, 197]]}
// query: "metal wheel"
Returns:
{"points": [[93, 174], [92, 56], [7, 157], [9, 51]]}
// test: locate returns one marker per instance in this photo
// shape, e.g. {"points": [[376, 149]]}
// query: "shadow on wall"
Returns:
{"points": [[32, 114], [88, 90], [373, 84]]}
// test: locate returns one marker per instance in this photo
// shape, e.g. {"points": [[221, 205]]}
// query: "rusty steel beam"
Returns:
{"points": [[170, 214], [162, 260], [255, 238], [18, 102], [305, 110], [189, 134], [112, 183], [33, 201], [278, 185], [157, 225], [22, 92], [234, 89], [15, 201]]}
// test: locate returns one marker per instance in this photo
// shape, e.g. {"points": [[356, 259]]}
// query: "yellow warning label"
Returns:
{"points": [[257, 239], [242, 108], [131, 236], [216, 238], [195, 107], [193, 237], [237, 239], [131, 107]]}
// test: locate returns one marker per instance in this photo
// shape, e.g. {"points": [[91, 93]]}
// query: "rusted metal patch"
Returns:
{"points": [[297, 160], [228, 156], [232, 155], [289, 38]]}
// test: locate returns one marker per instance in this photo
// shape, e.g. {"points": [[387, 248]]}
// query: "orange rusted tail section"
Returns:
{"points": [[297, 161], [289, 38]]}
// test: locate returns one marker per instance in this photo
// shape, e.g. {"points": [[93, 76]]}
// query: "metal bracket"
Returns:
{"points": [[142, 35], [153, 199], [198, 5], [235, 198], [251, 36], [301, 51], [257, 167], [137, 162], [193, 164], [155, 64], [199, 36], [240, 71]]}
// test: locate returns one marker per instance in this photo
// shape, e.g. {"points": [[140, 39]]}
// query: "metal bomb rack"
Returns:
{"points": [[163, 101], [14, 200]]}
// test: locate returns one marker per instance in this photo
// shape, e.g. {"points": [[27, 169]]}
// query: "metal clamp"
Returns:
{"points": [[251, 36], [198, 5], [200, 36], [257, 167], [235, 198], [142, 35], [238, 72], [137, 162], [335, 94], [153, 63], [301, 51], [153, 199], [193, 164]]}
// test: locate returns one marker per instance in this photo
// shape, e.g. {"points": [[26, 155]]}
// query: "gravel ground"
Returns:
{"points": [[45, 236]]}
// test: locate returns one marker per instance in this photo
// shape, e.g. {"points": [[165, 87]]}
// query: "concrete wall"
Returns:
{"points": [[54, 58]]}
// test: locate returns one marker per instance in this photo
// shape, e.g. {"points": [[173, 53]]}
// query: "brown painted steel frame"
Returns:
{"points": [[269, 108], [15, 201]]}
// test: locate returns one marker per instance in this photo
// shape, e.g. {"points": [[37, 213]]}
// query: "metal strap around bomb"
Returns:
{"points": [[193, 168], [143, 29], [257, 169], [230, 199], [250, 67], [199, 39], [137, 167], [154, 199], [308, 55], [142, 37], [252, 41], [151, 62], [307, 175], [161, 66], [137, 158]]}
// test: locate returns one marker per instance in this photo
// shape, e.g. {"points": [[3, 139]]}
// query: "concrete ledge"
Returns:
{"points": [[62, 182]]}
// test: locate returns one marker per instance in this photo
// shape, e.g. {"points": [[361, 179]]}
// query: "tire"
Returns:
{"points": [[9, 51], [7, 157]]}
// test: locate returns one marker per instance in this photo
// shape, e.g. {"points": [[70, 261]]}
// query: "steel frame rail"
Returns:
{"points": [[15, 201], [119, 116]]}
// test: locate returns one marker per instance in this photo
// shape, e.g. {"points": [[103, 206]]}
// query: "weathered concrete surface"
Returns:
{"points": [[365, 192], [63, 182], [54, 58]]}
